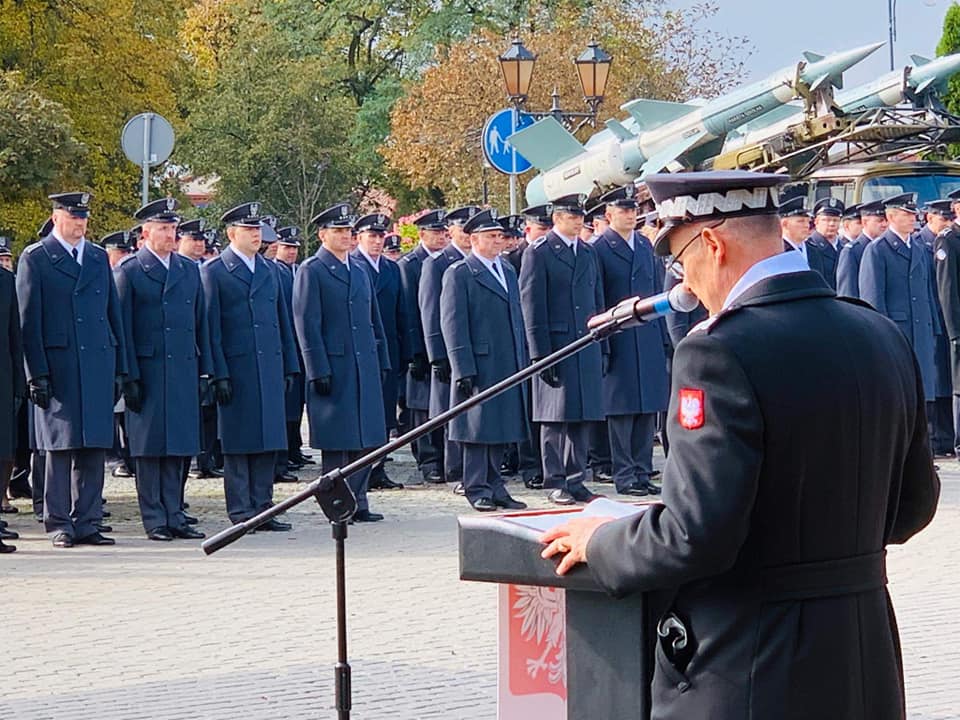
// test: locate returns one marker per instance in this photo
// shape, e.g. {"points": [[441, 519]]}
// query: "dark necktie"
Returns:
{"points": [[498, 273], [76, 255]]}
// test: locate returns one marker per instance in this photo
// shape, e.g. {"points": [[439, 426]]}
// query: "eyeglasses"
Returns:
{"points": [[674, 266]]}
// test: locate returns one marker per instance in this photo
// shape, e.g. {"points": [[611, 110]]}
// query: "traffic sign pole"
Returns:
{"points": [[147, 140], [145, 166]]}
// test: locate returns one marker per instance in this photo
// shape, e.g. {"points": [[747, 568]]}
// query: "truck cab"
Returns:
{"points": [[866, 182]]}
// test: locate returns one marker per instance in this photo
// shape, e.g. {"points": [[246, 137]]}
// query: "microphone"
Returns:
{"points": [[636, 311]]}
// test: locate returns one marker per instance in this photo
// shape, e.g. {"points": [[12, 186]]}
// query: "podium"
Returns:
{"points": [[568, 651]]}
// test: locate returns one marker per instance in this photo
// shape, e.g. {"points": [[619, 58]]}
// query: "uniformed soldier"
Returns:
{"points": [[118, 247], [560, 289], [288, 249], [947, 261], [268, 238], [826, 237], [939, 216], [482, 325], [254, 362], [428, 450], [850, 225], [777, 599], [344, 350], [635, 382], [795, 232], [73, 346], [873, 219], [192, 240], [135, 237], [428, 297], [538, 223], [596, 220], [896, 279], [213, 244], [384, 277], [166, 337], [6, 255], [392, 247], [12, 384]]}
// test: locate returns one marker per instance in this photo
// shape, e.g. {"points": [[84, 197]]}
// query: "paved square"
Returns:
{"points": [[148, 630]]}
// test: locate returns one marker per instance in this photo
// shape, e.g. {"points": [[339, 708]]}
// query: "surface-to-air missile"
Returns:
{"points": [[918, 84], [658, 133]]}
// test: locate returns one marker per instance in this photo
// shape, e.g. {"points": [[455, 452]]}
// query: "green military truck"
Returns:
{"points": [[865, 182]]}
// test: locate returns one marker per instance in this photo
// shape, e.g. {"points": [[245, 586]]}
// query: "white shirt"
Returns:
{"points": [[431, 253], [572, 244], [629, 241], [779, 264], [375, 263], [495, 267], [250, 262], [69, 248], [163, 261], [906, 240], [801, 248]]}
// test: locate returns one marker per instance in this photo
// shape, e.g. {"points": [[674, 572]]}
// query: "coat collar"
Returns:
{"points": [[619, 246], [896, 244], [334, 265], [560, 249], [59, 258], [782, 288], [486, 278]]}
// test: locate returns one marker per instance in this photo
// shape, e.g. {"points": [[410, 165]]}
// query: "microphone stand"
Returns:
{"points": [[337, 502]]}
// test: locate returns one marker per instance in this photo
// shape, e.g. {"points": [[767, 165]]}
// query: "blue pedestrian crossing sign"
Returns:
{"points": [[497, 148]]}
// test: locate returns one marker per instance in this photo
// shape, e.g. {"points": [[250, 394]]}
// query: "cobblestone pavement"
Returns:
{"points": [[147, 630]]}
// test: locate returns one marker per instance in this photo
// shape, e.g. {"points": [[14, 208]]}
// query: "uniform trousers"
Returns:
{"points": [[453, 458], [160, 491], [248, 483], [39, 458], [631, 448], [429, 448], [73, 487], [530, 463], [481, 471], [358, 481], [943, 426], [956, 425], [599, 455], [564, 448]]}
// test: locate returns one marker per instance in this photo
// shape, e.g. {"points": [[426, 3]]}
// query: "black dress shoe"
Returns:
{"points": [[63, 540], [20, 485], [458, 489], [106, 513], [95, 539], [602, 476], [3, 523], [8, 534], [294, 466], [187, 533], [534, 483], [583, 495], [386, 483], [305, 459], [509, 503], [160, 534], [559, 496], [649, 487], [274, 525], [366, 516], [4, 549], [484, 504], [122, 472], [508, 470], [286, 478], [634, 490], [190, 519], [434, 476], [104, 528]]}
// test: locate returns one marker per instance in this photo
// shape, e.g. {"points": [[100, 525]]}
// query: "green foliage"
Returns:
{"points": [[948, 45]]}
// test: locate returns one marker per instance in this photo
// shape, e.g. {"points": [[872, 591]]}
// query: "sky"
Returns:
{"points": [[779, 32]]}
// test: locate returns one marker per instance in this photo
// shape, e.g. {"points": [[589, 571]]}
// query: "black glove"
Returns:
{"points": [[322, 385], [222, 391], [40, 392], [118, 383], [466, 385], [441, 368], [605, 367], [288, 381], [419, 367], [133, 395], [550, 376]]}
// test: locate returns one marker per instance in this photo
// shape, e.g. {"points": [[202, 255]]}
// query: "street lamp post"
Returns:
{"points": [[593, 70]]}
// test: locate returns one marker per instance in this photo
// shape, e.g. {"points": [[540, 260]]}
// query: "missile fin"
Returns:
{"points": [[919, 60], [546, 144], [661, 159], [650, 114], [925, 85], [619, 130], [813, 57]]}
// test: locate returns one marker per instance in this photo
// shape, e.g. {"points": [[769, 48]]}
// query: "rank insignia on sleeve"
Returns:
{"points": [[691, 408]]}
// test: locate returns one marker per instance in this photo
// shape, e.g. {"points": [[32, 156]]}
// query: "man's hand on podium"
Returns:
{"points": [[571, 540]]}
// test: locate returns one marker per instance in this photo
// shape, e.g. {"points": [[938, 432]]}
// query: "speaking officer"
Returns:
{"points": [[873, 220], [428, 450], [384, 277], [896, 278], [12, 382], [254, 362], [635, 382], [428, 297], [560, 290], [75, 357], [482, 325], [344, 350], [288, 248], [779, 604], [166, 337]]}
